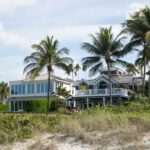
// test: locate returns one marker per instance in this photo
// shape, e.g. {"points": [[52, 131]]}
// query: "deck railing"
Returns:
{"points": [[102, 92]]}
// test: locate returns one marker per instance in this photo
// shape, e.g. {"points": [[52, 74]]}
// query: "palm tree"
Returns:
{"points": [[84, 68], [73, 69], [132, 69], [4, 90], [104, 49], [139, 27], [46, 56], [77, 68]]}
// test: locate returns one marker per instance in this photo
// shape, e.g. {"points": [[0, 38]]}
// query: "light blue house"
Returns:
{"points": [[26, 90]]}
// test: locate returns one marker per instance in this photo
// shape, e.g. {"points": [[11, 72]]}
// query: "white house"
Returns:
{"points": [[85, 93], [25, 90], [96, 91]]}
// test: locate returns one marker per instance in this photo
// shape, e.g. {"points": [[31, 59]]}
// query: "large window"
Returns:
{"points": [[17, 89], [12, 89], [30, 88], [43, 87]]}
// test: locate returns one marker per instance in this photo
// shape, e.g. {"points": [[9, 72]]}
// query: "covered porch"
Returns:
{"points": [[86, 102]]}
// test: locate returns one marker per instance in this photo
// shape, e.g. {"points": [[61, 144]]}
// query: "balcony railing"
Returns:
{"points": [[101, 92]]}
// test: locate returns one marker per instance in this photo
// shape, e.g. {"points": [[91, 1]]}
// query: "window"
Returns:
{"points": [[38, 88], [19, 92], [30, 88], [42, 88], [12, 89], [23, 88], [16, 89], [46, 87]]}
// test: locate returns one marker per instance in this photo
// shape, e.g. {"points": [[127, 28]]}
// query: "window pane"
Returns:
{"points": [[46, 87], [16, 89], [16, 105], [51, 87], [23, 89], [38, 87], [32, 90], [20, 105], [19, 90], [12, 105], [12, 89], [42, 87], [28, 88]]}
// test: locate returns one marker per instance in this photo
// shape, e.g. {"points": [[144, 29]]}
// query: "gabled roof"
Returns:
{"points": [[125, 78], [45, 77]]}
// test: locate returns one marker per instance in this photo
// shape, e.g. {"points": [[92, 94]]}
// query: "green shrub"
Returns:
{"points": [[4, 108], [35, 105], [139, 98], [56, 104]]}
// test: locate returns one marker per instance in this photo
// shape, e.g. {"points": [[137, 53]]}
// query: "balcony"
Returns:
{"points": [[101, 92]]}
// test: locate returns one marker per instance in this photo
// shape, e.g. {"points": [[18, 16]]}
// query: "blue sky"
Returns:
{"points": [[24, 22]]}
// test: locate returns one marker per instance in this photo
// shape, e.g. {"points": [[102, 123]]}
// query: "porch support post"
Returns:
{"points": [[9, 105], [87, 102], [104, 99], [74, 104]]}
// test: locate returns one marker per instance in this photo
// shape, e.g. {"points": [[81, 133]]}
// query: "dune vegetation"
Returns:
{"points": [[95, 126]]}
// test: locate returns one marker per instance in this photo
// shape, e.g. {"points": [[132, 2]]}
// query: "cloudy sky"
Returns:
{"points": [[24, 22]]}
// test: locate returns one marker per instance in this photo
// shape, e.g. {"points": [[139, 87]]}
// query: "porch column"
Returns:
{"points": [[9, 105], [104, 99], [74, 104], [87, 102]]}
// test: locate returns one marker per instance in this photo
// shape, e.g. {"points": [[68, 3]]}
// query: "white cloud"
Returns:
{"points": [[8, 39], [8, 6]]}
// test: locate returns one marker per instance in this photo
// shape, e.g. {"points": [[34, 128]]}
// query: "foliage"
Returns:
{"points": [[35, 106], [139, 98], [55, 104], [138, 25], [46, 56], [4, 90], [104, 49], [83, 87], [20, 126], [4, 108], [62, 92]]}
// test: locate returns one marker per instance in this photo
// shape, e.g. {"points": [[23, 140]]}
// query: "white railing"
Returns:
{"points": [[102, 92]]}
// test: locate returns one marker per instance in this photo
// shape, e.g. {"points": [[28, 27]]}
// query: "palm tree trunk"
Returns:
{"points": [[144, 76], [48, 91], [149, 85], [110, 85]]}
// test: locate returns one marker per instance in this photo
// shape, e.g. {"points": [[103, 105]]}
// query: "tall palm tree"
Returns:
{"points": [[132, 69], [47, 56], [104, 49], [84, 68], [138, 25], [77, 68], [73, 69]]}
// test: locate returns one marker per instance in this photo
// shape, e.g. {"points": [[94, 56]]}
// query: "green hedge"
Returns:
{"points": [[41, 105], [35, 105], [4, 108]]}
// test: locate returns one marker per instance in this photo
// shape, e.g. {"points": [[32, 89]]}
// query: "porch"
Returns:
{"points": [[101, 92]]}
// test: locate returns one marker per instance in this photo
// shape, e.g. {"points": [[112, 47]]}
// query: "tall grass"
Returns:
{"points": [[99, 125]]}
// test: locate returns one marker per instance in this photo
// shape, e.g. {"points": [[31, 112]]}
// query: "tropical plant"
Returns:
{"points": [[138, 25], [4, 90], [62, 92], [105, 48], [84, 68], [46, 56], [131, 69], [148, 83], [73, 69]]}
